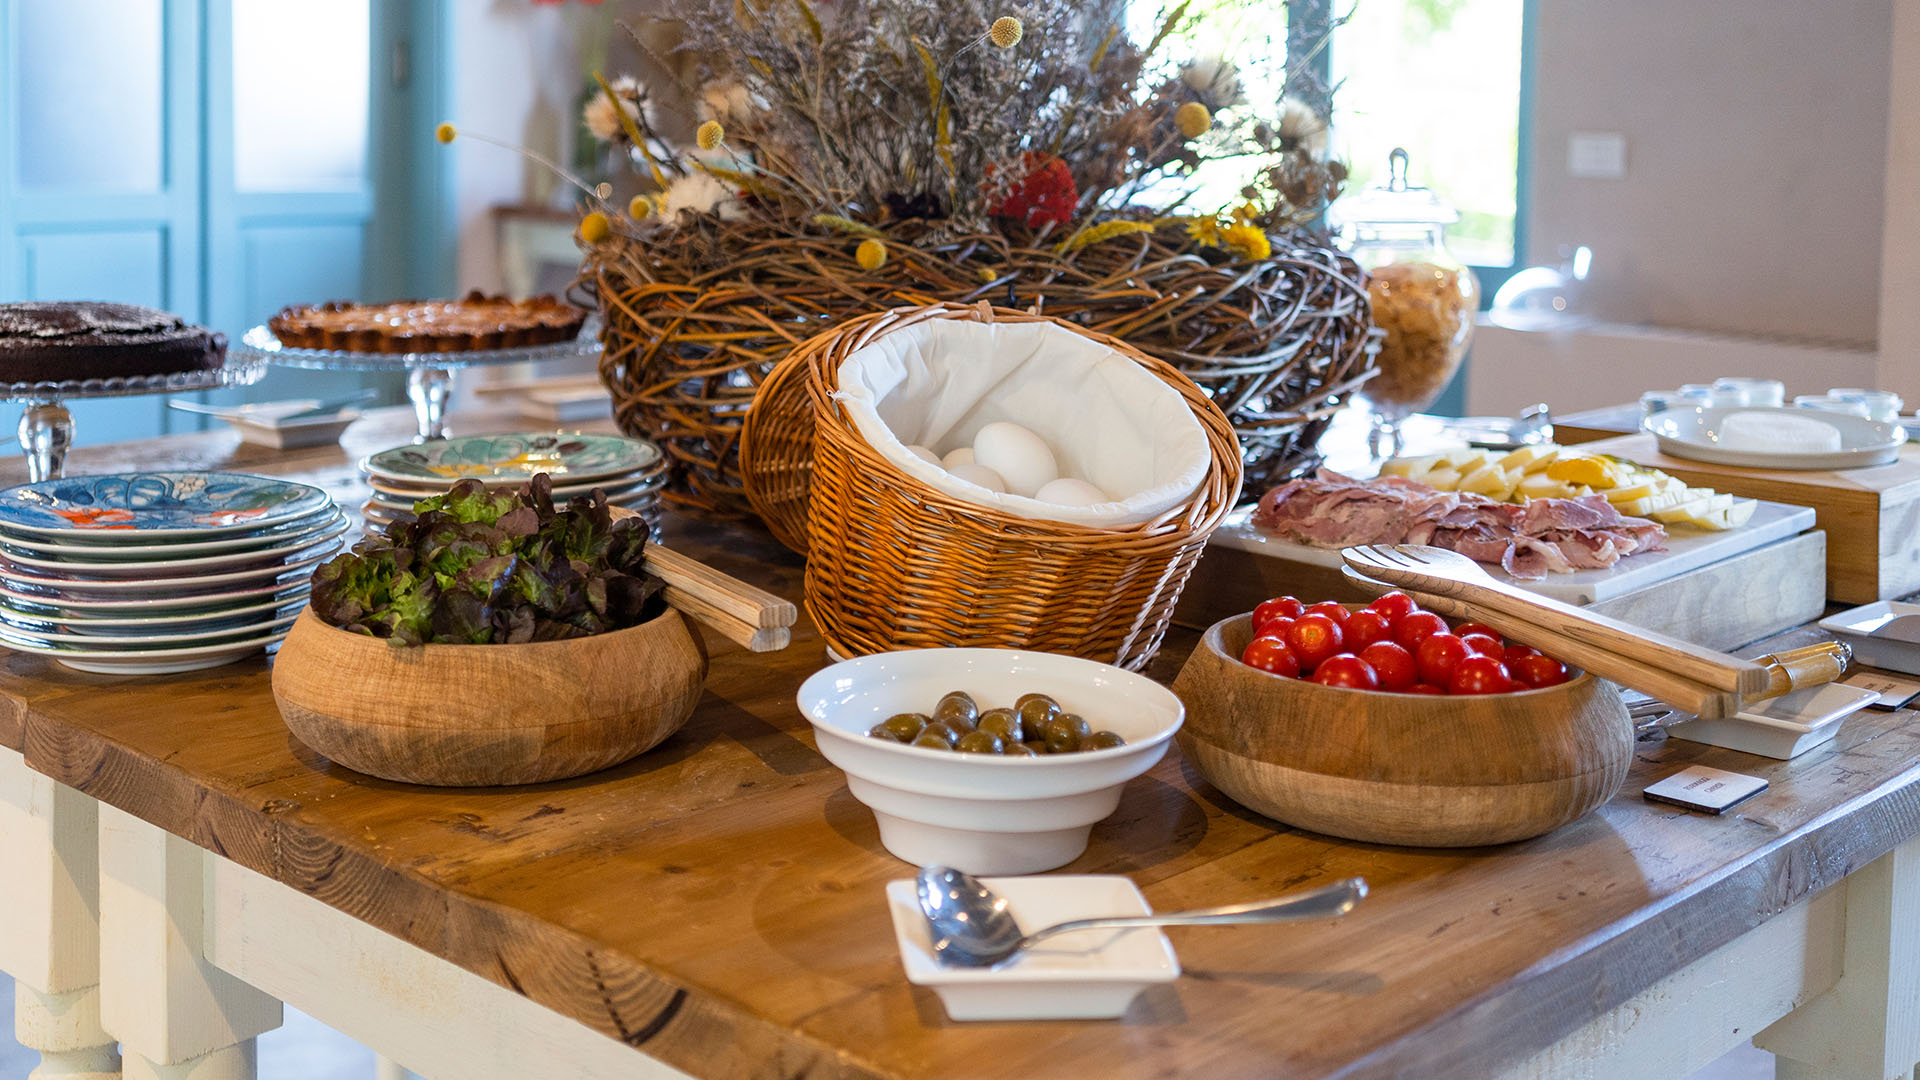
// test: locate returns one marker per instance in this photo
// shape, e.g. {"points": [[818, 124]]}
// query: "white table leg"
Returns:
{"points": [[49, 922], [1868, 1026], [177, 1017]]}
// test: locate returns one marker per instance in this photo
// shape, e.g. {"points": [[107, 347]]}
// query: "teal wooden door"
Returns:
{"points": [[220, 159]]}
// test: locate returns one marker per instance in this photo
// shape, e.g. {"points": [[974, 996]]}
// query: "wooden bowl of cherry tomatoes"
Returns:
{"points": [[1387, 724]]}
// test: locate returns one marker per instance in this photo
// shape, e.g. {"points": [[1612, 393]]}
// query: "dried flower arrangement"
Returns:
{"points": [[865, 154]]}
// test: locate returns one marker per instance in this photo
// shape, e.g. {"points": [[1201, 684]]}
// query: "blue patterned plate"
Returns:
{"points": [[569, 459], [142, 507]]}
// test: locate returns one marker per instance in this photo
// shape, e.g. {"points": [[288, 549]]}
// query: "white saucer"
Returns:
{"points": [[232, 560], [1695, 434]]}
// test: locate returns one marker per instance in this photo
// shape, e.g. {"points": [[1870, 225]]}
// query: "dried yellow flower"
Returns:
{"points": [[871, 254], [1006, 31], [1106, 230], [595, 227], [1192, 119], [1204, 230], [709, 135], [1247, 241], [639, 208], [445, 133]]}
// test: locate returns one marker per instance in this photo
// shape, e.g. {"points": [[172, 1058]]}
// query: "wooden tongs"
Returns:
{"points": [[742, 613], [1692, 678]]}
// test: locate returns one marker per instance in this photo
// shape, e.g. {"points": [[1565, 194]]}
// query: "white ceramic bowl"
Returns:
{"points": [[981, 813]]}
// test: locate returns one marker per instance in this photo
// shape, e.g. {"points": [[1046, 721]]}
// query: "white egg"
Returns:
{"points": [[962, 456], [1016, 454], [979, 475], [1068, 491], [924, 454]]}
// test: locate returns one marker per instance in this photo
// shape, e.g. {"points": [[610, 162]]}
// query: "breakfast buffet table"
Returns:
{"points": [[177, 865]]}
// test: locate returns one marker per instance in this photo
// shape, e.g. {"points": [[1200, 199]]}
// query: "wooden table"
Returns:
{"points": [[176, 865]]}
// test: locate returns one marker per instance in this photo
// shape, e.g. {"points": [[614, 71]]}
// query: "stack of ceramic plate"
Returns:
{"points": [[146, 573], [631, 472]]}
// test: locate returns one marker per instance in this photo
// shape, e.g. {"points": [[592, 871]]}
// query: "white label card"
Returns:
{"points": [[1698, 787], [1894, 691]]}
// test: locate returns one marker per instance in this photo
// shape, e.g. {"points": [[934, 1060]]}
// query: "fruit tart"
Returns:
{"points": [[472, 323]]}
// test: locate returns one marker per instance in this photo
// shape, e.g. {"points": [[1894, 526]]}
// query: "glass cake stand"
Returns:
{"points": [[429, 375], [46, 427]]}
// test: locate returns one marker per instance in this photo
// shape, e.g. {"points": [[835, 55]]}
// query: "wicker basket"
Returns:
{"points": [[693, 325], [895, 564]]}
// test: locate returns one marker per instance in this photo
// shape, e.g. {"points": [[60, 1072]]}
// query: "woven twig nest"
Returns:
{"points": [[695, 318]]}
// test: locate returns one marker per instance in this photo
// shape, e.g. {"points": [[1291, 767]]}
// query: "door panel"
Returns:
{"points": [[125, 266], [89, 118]]}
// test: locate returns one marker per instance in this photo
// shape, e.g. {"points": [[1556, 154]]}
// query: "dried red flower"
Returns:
{"points": [[1046, 195]]}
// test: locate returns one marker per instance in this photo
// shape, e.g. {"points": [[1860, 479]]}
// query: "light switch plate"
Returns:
{"points": [[1597, 155]]}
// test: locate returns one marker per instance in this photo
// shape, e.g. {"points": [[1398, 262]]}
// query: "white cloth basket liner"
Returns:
{"points": [[1108, 420]]}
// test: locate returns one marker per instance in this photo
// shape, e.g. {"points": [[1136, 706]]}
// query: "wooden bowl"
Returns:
{"points": [[482, 715], [1423, 771]]}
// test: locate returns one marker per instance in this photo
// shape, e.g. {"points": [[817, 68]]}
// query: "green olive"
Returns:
{"points": [[1036, 709], [935, 739], [1064, 733], [943, 731], [1020, 749], [979, 742], [901, 727], [1002, 722], [957, 705], [1038, 746], [1102, 740]]}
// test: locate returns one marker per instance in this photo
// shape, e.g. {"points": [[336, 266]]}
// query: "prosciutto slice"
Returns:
{"points": [[1546, 536]]}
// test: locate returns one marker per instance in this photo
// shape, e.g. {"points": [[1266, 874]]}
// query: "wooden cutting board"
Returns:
{"points": [[1871, 516]]}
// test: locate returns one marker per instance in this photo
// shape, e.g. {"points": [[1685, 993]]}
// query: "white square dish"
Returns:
{"points": [[1089, 975], [1784, 727], [1855, 626]]}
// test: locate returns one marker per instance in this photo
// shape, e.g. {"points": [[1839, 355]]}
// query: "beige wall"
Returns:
{"points": [[1756, 147]]}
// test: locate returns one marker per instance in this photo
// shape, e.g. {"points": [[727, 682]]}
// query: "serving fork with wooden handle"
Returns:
{"points": [[1702, 681]]}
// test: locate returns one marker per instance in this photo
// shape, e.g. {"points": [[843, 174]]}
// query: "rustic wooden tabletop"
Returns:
{"points": [[718, 901]]}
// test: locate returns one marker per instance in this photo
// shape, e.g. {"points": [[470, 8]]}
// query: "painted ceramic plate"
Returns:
{"points": [[145, 661], [401, 502], [403, 493], [41, 546], [142, 507], [491, 457], [55, 637], [70, 569], [46, 620], [200, 587], [112, 607]]}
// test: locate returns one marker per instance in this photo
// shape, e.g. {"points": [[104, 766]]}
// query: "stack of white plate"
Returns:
{"points": [[148, 573], [631, 472]]}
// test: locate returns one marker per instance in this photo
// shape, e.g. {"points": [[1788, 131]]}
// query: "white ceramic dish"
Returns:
{"points": [[65, 567], [200, 587], [1090, 975], [266, 430], [1855, 626], [986, 814], [54, 637], [1695, 434], [200, 604], [146, 661], [90, 625], [1783, 727], [45, 546]]}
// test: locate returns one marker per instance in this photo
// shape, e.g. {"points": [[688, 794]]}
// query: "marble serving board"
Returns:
{"points": [[1687, 549]]}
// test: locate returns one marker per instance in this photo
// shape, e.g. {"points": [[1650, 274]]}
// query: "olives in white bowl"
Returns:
{"points": [[986, 813], [1034, 726]]}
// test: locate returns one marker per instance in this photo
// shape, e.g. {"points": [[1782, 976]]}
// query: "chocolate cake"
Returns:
{"points": [[84, 339], [476, 322]]}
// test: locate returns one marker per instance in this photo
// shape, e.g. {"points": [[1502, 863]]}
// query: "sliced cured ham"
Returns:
{"points": [[1545, 536]]}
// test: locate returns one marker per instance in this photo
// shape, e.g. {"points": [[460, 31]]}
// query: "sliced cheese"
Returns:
{"points": [[1527, 455], [1541, 486], [1590, 469], [1409, 466], [1490, 480]]}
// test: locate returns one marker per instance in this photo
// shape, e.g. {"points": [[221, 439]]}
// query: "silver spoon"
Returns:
{"points": [[972, 927]]}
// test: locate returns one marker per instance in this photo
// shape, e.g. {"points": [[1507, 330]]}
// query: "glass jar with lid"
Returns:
{"points": [[1423, 297]]}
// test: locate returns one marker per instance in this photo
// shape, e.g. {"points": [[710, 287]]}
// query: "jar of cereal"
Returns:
{"points": [[1422, 296]]}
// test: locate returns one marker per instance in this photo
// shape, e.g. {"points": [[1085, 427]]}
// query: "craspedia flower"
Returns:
{"points": [[1006, 31], [871, 254], [709, 135], [1247, 241], [1192, 119], [445, 133], [595, 227], [639, 208]]}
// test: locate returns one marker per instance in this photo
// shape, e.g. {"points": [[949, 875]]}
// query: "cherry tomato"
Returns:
{"points": [[1414, 628], [1466, 628], [1314, 637], [1424, 688], [1278, 607], [1395, 605], [1515, 652], [1479, 675], [1483, 644], [1348, 670], [1437, 655], [1335, 611], [1366, 626], [1270, 654], [1537, 671], [1275, 627], [1393, 664]]}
